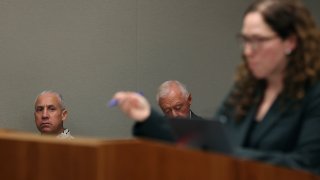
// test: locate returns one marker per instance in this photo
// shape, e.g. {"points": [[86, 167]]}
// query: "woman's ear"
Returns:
{"points": [[290, 44]]}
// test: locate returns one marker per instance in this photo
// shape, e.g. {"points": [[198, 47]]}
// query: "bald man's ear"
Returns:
{"points": [[64, 114]]}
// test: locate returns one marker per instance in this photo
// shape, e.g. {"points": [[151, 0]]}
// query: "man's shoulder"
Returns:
{"points": [[194, 116]]}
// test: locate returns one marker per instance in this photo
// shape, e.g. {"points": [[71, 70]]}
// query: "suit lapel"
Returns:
{"points": [[272, 117], [243, 128]]}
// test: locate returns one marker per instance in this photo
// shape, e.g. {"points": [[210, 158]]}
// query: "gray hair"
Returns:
{"points": [[58, 95], [164, 89]]}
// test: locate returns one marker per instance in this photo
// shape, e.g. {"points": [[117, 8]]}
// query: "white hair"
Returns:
{"points": [[58, 95], [164, 89]]}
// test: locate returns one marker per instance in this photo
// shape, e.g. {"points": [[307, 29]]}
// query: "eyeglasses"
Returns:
{"points": [[255, 42]]}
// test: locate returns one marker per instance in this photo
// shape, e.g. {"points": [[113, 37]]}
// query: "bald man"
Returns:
{"points": [[50, 113]]}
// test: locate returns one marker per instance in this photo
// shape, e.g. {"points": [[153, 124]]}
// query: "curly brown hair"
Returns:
{"points": [[286, 18]]}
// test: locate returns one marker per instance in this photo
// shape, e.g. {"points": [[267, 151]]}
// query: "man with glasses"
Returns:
{"points": [[175, 100]]}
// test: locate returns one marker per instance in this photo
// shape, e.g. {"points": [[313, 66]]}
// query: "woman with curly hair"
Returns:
{"points": [[272, 113], [273, 110]]}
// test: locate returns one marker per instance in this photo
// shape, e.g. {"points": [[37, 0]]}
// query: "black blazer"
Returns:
{"points": [[288, 136]]}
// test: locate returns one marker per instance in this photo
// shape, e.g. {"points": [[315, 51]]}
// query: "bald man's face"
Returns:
{"points": [[176, 105], [49, 115]]}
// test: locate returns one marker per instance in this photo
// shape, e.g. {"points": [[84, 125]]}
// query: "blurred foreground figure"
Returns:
{"points": [[272, 112]]}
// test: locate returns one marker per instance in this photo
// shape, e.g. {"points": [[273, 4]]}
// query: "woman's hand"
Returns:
{"points": [[133, 104]]}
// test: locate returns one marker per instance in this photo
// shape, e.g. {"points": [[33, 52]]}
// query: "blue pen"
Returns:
{"points": [[114, 102]]}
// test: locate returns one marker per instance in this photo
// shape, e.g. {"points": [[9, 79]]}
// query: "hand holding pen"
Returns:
{"points": [[133, 104]]}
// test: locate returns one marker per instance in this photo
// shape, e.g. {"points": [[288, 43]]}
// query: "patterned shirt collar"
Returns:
{"points": [[65, 134]]}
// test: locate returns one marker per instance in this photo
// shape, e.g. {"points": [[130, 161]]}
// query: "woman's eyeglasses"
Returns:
{"points": [[255, 42]]}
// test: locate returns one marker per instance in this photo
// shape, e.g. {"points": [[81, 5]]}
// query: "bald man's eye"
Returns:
{"points": [[39, 109], [52, 108]]}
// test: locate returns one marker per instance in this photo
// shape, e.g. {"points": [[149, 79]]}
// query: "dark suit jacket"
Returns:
{"points": [[157, 127], [288, 136], [194, 116]]}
